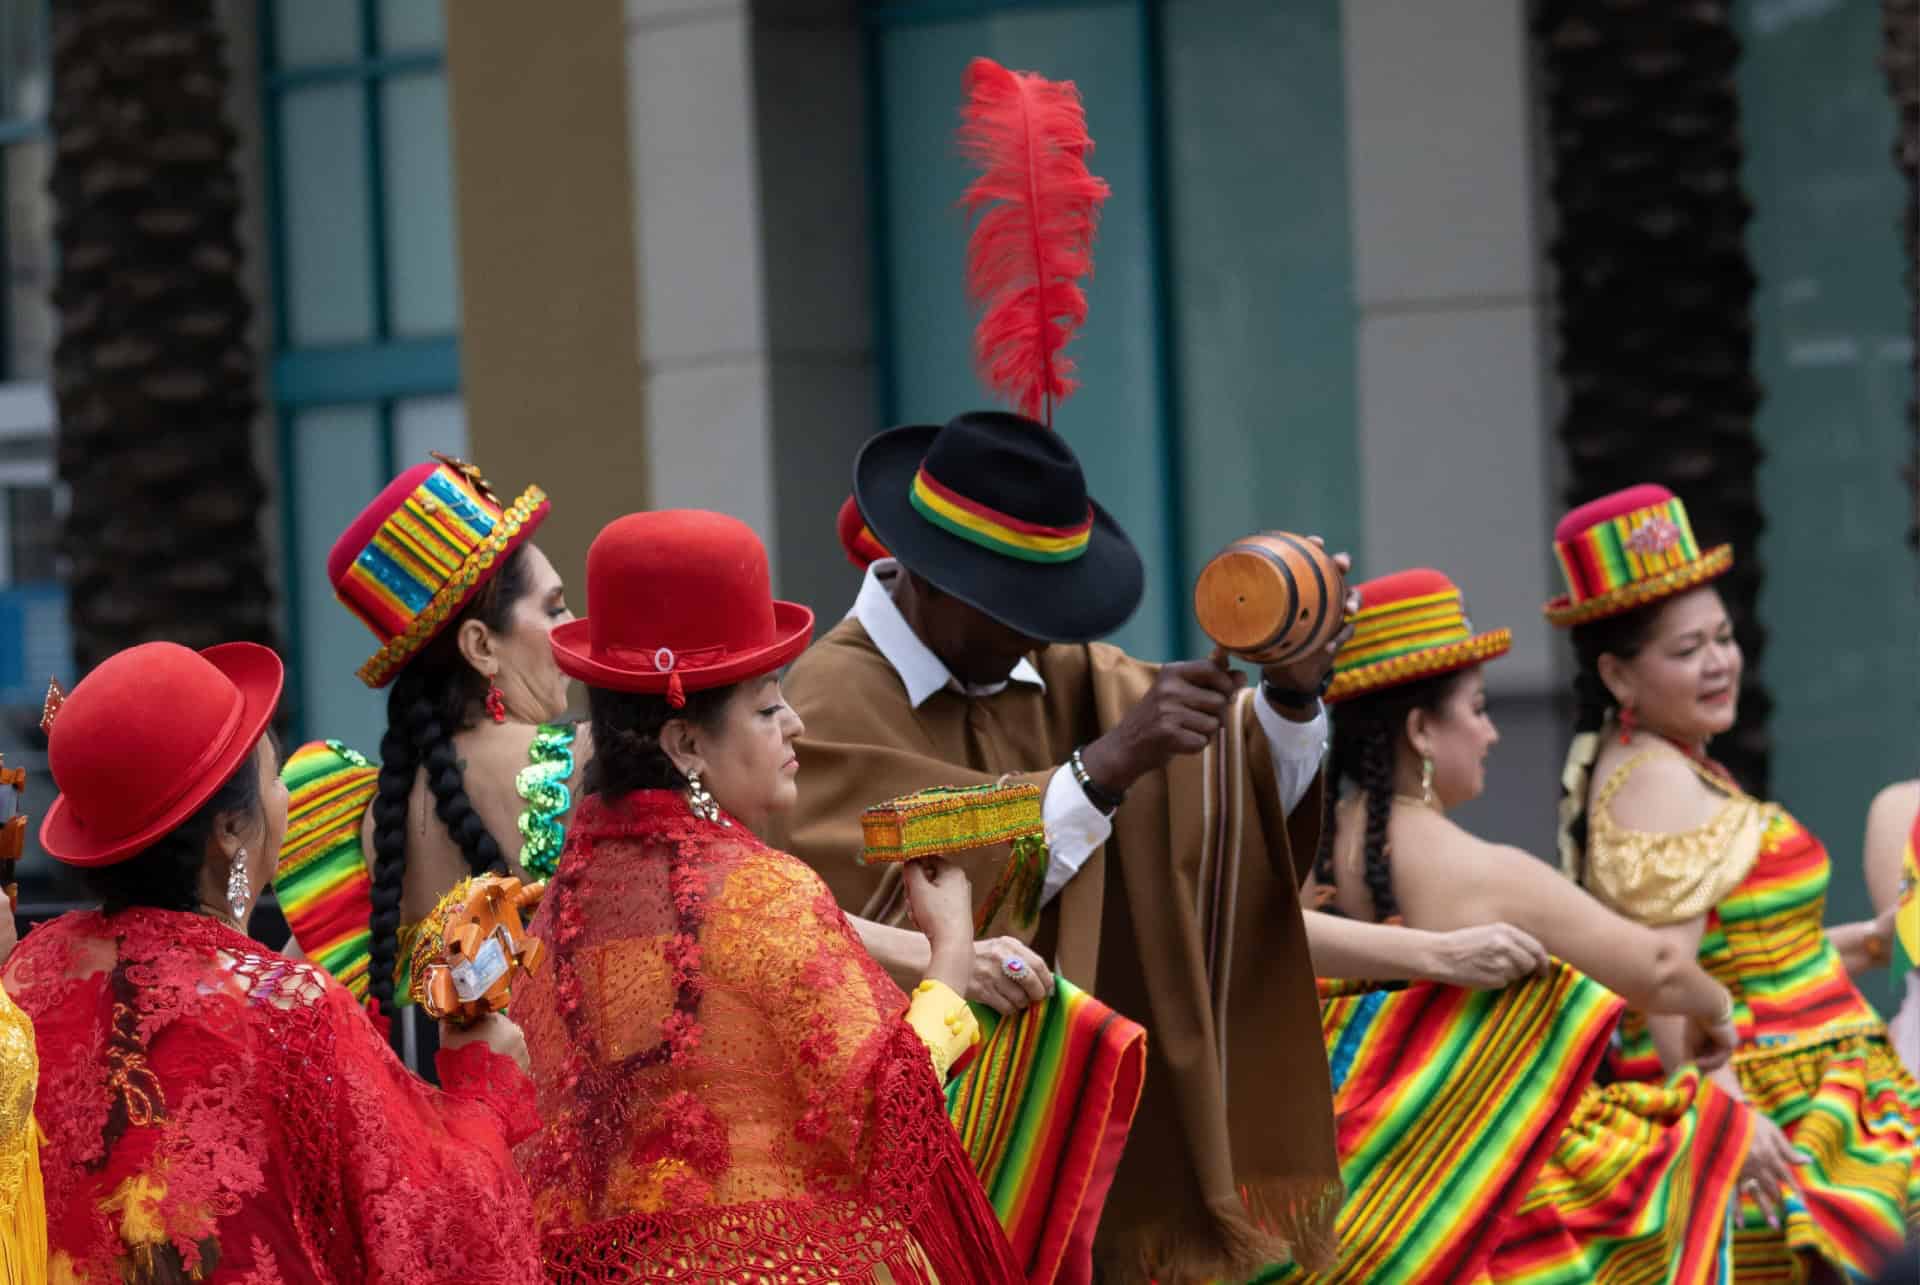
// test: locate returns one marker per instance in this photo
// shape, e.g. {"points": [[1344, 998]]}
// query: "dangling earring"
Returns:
{"points": [[1627, 722], [1426, 780], [496, 703], [238, 893], [699, 802]]}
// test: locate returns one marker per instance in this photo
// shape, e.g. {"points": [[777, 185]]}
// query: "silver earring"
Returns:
{"points": [[1426, 780], [238, 893], [699, 802]]}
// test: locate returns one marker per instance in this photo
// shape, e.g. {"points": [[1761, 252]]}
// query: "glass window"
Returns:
{"points": [[412, 26], [417, 161], [23, 60], [422, 425], [316, 32], [29, 321], [329, 283], [337, 468]]}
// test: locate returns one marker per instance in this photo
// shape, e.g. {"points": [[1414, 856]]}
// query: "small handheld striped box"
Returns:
{"points": [[950, 818]]}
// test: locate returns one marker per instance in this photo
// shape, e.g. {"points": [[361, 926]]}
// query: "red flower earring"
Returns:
{"points": [[1627, 722], [496, 704]]}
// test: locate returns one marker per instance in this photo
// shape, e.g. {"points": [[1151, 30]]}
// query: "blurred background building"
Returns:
{"points": [[693, 252]]}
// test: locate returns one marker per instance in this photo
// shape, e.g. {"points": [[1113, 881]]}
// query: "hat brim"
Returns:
{"points": [[1563, 613], [1061, 602], [572, 645], [259, 675], [385, 665], [1414, 666]]}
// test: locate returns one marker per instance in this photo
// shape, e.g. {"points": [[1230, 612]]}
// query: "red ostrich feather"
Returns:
{"points": [[1036, 207]]}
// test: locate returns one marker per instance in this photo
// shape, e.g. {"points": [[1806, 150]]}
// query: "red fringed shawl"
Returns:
{"points": [[728, 1090], [217, 1112]]}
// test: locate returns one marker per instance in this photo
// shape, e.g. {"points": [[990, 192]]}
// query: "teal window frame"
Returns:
{"points": [[377, 372], [881, 16]]}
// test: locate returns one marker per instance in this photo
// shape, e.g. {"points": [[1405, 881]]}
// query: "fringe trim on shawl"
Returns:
{"points": [[23, 1234], [959, 1232], [1284, 1220]]}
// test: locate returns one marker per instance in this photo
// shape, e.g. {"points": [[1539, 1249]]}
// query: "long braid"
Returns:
{"points": [[1621, 636], [392, 793], [430, 701], [1375, 775]]}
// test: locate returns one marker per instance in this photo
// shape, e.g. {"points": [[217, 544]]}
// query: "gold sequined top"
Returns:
{"points": [[23, 1215], [1671, 878]]}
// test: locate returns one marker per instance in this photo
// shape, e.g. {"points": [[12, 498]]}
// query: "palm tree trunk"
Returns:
{"points": [[1900, 22], [1654, 289], [154, 377]]}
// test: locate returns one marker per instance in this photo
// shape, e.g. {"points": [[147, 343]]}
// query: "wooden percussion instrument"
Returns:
{"points": [[1271, 598], [476, 932]]}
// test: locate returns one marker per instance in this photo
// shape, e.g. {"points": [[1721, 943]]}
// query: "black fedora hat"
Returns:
{"points": [[993, 509]]}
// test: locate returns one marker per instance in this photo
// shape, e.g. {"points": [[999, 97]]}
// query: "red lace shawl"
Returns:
{"points": [[728, 1090], [215, 1111]]}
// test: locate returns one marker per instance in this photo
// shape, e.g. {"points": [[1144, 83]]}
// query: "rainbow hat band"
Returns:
{"points": [[1626, 550], [1000, 532], [420, 551], [1411, 625]]}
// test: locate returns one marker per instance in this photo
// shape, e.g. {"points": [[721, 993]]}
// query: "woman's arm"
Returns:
{"points": [[1865, 944], [1889, 821], [1483, 957], [906, 956]]}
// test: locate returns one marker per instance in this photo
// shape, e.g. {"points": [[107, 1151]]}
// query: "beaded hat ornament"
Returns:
{"points": [[1626, 550], [1414, 625], [471, 946], [954, 818], [420, 551]]}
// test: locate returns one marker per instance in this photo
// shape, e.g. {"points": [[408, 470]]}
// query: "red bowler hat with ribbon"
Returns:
{"points": [[678, 601]]}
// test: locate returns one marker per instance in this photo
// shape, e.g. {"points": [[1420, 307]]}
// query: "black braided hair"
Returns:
{"points": [[626, 738], [433, 697], [1620, 636], [166, 874], [1366, 734]]}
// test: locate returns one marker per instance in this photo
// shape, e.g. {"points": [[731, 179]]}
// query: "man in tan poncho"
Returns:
{"points": [[1182, 813]]}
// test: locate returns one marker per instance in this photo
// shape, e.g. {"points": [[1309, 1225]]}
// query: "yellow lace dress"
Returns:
{"points": [[23, 1212]]}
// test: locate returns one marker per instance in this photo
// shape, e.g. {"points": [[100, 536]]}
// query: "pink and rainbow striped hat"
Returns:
{"points": [[417, 554], [1411, 625], [1626, 550]]}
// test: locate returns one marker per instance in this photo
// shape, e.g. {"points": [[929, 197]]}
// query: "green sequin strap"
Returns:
{"points": [[542, 784]]}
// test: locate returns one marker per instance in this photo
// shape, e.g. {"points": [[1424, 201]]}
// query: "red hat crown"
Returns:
{"points": [[678, 600], [146, 738], [1626, 550]]}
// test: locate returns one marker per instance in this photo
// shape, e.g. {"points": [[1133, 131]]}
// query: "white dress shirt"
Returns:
{"points": [[1074, 826]]}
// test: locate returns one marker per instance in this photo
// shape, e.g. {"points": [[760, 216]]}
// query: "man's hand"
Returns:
{"points": [[1006, 994], [1180, 713], [1307, 673], [1486, 957]]}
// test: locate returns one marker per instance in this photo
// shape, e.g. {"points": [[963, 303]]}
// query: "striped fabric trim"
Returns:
{"points": [[1448, 1101], [1639, 1190], [1043, 1111], [1408, 625], [1416, 665], [322, 879], [1637, 545]]}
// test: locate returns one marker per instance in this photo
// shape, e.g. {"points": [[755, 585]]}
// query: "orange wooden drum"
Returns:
{"points": [[1271, 598]]}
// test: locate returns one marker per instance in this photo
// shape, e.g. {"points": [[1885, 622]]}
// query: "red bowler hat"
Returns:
{"points": [[146, 738], [856, 538], [678, 601]]}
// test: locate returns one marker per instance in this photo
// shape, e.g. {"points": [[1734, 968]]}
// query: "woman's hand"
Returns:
{"points": [[1711, 1044], [496, 1031], [1007, 976], [1769, 1169], [1486, 957], [940, 902]]}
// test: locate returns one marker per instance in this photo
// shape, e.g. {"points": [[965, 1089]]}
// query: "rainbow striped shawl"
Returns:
{"points": [[1447, 1103], [322, 879], [1044, 1110]]}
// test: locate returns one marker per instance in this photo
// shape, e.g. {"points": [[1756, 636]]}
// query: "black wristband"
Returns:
{"points": [[1289, 698], [1102, 798]]}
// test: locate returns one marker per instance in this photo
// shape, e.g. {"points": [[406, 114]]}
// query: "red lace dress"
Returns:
{"points": [[217, 1112], [729, 1088]]}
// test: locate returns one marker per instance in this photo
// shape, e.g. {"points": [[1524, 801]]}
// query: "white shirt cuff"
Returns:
{"points": [[1074, 829], [1297, 748]]}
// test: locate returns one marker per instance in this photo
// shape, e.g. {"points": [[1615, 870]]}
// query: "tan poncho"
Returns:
{"points": [[1187, 921]]}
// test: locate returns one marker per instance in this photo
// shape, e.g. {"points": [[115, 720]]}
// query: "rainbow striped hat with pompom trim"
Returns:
{"points": [[1411, 625]]}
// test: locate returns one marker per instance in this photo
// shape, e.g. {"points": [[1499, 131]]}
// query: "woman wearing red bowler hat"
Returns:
{"points": [[476, 770], [215, 1111], [1664, 835], [730, 1088]]}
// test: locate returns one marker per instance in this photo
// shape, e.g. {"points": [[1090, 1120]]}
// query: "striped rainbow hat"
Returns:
{"points": [[1626, 550], [1411, 625], [420, 551]]}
